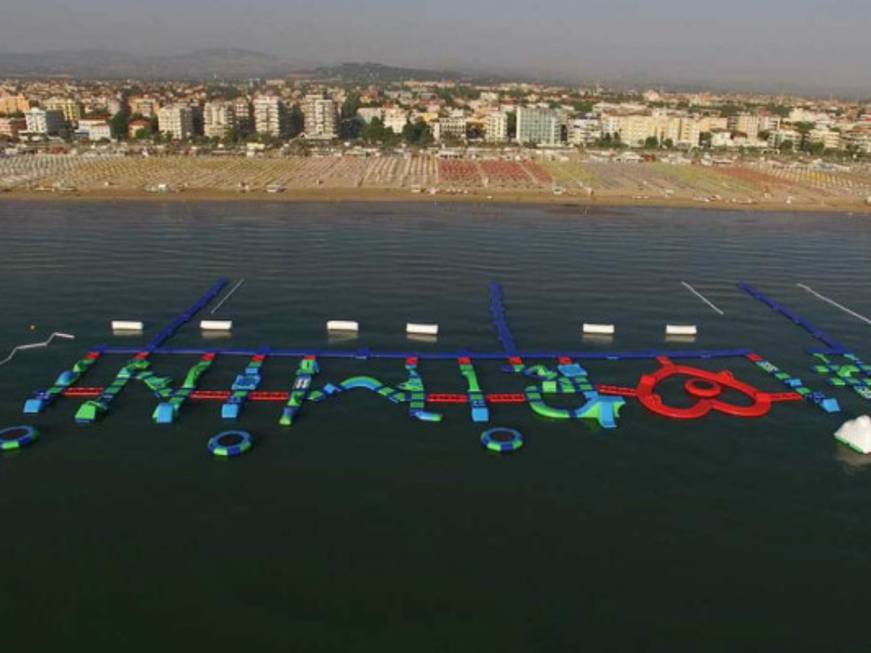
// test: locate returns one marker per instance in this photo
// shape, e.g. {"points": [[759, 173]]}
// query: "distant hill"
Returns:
{"points": [[225, 63], [220, 63], [377, 73]]}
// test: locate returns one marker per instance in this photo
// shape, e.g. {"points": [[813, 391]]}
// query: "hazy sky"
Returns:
{"points": [[817, 42]]}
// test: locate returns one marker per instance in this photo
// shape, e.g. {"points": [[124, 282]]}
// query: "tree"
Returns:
{"points": [[222, 92], [668, 144], [350, 106], [350, 124], [417, 133], [295, 121], [728, 110], [475, 132], [119, 125], [583, 107], [705, 139], [651, 143], [376, 132], [512, 125], [350, 128], [779, 110]]}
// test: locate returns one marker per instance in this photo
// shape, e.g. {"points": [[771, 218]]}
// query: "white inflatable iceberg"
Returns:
{"points": [[856, 434]]}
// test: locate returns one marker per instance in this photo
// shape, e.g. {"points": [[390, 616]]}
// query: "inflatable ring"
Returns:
{"points": [[17, 437], [502, 440], [230, 443]]}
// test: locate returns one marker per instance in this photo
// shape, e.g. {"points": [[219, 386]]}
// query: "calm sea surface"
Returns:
{"points": [[359, 529]]}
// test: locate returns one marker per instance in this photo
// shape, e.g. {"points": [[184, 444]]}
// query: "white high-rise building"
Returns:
{"points": [[40, 121], [176, 121], [244, 115], [320, 117], [539, 126], [219, 119], [497, 127], [269, 115], [395, 119]]}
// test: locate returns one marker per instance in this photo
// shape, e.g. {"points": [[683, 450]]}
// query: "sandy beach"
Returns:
{"points": [[387, 195], [424, 178]]}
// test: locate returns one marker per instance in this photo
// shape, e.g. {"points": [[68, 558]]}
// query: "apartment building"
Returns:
{"points": [[244, 115], [496, 128], [146, 107], [219, 119], [679, 130], [584, 131], [320, 117], [395, 119], [70, 108], [11, 104], [270, 116], [858, 139], [368, 114], [769, 123], [633, 129], [453, 126], [779, 137], [539, 126], [176, 121], [829, 138], [94, 129], [11, 126], [746, 123], [42, 121]]}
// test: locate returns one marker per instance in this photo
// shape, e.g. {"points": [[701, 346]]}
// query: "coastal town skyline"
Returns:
{"points": [[772, 47], [360, 132]]}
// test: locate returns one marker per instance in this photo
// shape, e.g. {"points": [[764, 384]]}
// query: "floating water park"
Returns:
{"points": [[552, 378]]}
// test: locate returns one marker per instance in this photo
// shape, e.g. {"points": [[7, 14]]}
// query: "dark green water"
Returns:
{"points": [[361, 530]]}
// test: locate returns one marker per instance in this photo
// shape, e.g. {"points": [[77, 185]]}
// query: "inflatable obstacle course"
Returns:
{"points": [[308, 367], [569, 378], [550, 377], [242, 387], [796, 385], [853, 373]]}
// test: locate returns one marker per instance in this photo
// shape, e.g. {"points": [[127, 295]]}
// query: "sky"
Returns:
{"points": [[776, 43]]}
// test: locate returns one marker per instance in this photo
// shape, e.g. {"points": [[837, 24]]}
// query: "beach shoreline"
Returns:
{"points": [[478, 197]]}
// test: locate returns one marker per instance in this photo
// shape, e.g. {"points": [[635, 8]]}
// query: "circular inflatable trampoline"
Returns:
{"points": [[502, 440], [230, 444], [17, 437]]}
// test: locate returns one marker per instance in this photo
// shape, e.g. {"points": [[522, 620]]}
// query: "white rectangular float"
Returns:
{"points": [[216, 325], [343, 325], [127, 325], [681, 330], [599, 329], [422, 329]]}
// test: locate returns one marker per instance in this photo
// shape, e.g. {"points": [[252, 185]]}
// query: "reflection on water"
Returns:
{"points": [[419, 337]]}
